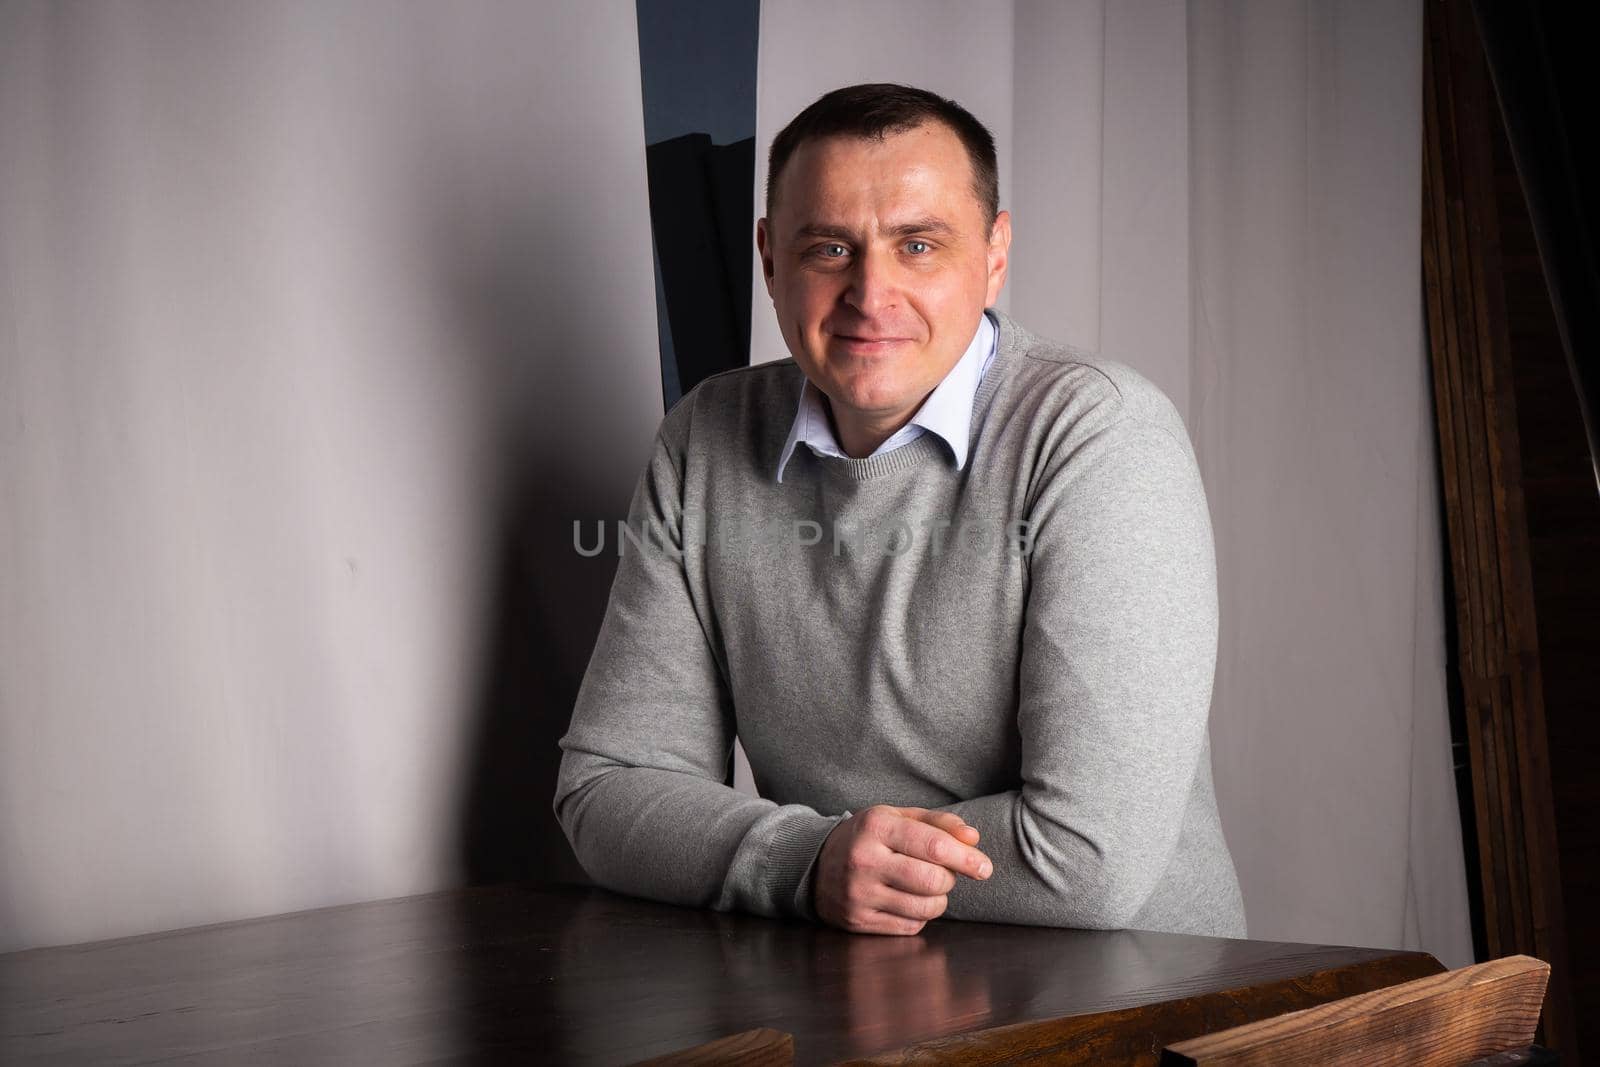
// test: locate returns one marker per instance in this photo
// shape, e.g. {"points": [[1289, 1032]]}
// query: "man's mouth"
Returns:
{"points": [[867, 344]]}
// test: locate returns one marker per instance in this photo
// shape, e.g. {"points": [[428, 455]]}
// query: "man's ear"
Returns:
{"points": [[764, 247], [999, 256]]}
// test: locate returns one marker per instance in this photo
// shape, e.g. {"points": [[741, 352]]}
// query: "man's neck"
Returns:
{"points": [[861, 439]]}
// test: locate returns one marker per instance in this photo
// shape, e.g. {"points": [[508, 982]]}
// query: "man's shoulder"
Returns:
{"points": [[743, 381], [728, 407], [1064, 381]]}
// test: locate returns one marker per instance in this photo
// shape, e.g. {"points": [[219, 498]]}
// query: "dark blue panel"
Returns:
{"points": [[697, 66], [698, 74]]}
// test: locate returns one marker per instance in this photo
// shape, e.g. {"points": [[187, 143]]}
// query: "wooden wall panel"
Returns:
{"points": [[1563, 518], [1498, 654]]}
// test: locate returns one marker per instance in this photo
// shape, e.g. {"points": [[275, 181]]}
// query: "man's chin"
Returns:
{"points": [[873, 405]]}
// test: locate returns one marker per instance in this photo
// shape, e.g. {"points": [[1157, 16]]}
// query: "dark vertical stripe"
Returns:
{"points": [[697, 66]]}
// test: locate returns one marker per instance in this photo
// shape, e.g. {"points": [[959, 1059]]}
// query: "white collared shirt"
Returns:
{"points": [[946, 412]]}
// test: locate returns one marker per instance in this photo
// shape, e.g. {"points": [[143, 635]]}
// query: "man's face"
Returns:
{"points": [[879, 260]]}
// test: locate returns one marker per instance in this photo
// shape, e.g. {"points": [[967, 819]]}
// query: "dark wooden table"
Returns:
{"points": [[555, 974]]}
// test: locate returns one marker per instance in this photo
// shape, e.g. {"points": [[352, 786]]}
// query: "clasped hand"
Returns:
{"points": [[889, 870]]}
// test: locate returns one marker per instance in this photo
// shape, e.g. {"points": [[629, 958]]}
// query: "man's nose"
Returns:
{"points": [[873, 284]]}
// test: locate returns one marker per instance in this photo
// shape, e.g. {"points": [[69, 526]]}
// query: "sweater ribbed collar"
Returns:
{"points": [[949, 427]]}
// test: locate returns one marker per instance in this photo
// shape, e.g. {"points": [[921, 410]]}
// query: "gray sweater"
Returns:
{"points": [[1028, 642]]}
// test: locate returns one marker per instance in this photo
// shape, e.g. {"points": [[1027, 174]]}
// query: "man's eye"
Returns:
{"points": [[917, 248], [833, 251]]}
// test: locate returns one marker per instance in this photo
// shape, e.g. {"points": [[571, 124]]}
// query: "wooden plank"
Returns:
{"points": [[1445, 1019], [1133, 1036]]}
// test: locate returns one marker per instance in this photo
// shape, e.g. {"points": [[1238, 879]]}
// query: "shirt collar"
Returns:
{"points": [[946, 412]]}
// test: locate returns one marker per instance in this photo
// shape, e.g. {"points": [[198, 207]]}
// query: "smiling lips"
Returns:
{"points": [[867, 346]]}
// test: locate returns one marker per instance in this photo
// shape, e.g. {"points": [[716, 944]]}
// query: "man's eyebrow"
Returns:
{"points": [[932, 224], [822, 229], [929, 224]]}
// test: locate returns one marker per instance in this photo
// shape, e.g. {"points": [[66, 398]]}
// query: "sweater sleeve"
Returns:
{"points": [[641, 793], [1114, 685]]}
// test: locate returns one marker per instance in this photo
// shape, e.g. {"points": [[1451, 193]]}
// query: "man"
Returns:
{"points": [[948, 584]]}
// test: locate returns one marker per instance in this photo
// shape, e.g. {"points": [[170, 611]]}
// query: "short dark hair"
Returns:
{"points": [[877, 109]]}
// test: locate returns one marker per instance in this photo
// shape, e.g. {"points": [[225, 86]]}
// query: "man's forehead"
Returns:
{"points": [[931, 141], [834, 177]]}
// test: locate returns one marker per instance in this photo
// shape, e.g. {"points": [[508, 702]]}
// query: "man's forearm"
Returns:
{"points": [[1046, 874], [678, 837]]}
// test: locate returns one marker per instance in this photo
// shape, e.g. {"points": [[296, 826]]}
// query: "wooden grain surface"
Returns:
{"points": [[1498, 660], [576, 975], [1440, 1021], [1134, 1037], [1563, 515], [752, 1048]]}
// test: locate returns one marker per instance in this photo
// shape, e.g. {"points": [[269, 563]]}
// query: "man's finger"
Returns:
{"points": [[887, 923], [918, 909], [917, 839], [917, 877], [952, 824]]}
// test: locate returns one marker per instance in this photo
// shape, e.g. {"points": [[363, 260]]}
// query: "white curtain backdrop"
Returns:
{"points": [[1225, 196], [285, 287]]}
